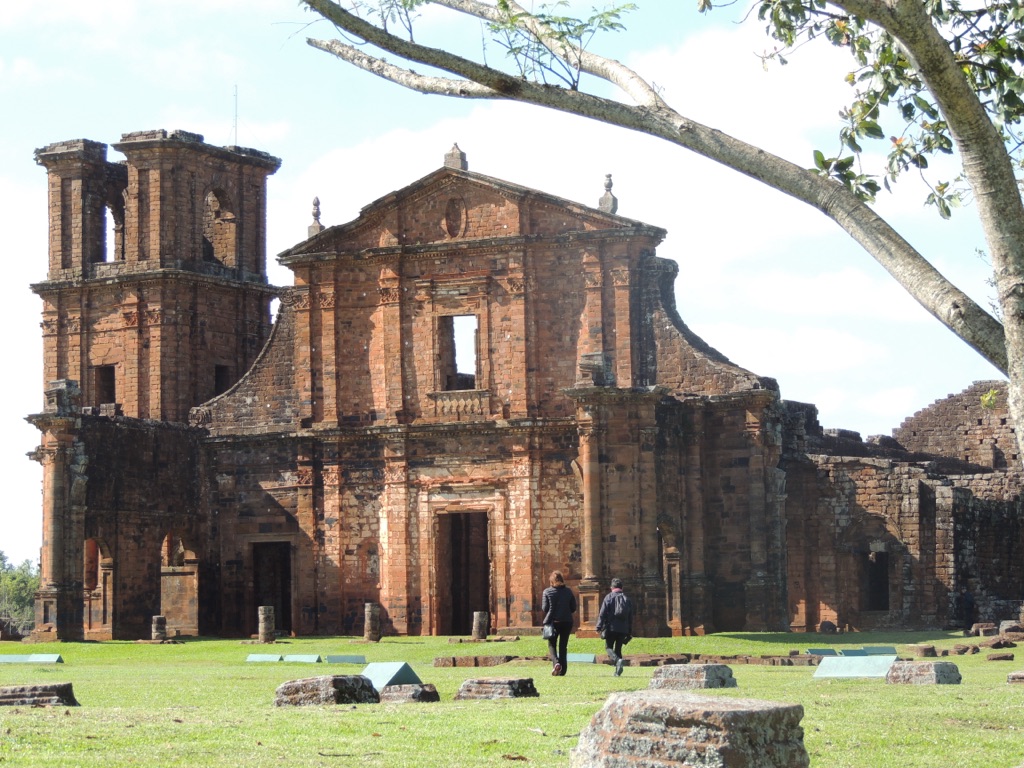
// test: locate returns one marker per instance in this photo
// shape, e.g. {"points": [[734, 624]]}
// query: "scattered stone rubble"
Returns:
{"points": [[413, 692]]}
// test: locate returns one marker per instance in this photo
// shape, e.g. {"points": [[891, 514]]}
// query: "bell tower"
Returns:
{"points": [[156, 298]]}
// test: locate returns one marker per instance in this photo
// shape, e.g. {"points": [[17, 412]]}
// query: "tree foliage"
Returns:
{"points": [[18, 585]]}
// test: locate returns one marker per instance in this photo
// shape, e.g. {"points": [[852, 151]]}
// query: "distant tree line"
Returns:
{"points": [[18, 585]]}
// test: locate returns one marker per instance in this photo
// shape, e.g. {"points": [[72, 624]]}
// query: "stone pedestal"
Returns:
{"points": [[688, 676], [267, 623], [371, 623], [159, 628], [481, 623], [670, 728]]}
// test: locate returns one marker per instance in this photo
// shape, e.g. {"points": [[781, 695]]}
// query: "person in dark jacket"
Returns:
{"points": [[615, 623], [558, 604]]}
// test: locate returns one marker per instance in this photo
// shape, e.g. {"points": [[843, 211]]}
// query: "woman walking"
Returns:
{"points": [[558, 604]]}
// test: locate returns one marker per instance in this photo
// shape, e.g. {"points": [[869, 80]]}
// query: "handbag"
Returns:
{"points": [[547, 632]]}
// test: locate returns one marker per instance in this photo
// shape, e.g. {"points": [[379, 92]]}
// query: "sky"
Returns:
{"points": [[769, 282]]}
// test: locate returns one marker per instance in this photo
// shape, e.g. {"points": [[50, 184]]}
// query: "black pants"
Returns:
{"points": [[613, 644], [558, 646]]}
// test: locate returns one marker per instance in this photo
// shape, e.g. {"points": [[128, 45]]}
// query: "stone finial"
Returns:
{"points": [[609, 203], [316, 227], [456, 159]]}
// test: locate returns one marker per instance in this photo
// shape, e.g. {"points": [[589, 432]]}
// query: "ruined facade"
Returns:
{"points": [[468, 386]]}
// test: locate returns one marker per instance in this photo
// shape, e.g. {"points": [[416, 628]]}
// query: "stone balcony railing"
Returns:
{"points": [[459, 404]]}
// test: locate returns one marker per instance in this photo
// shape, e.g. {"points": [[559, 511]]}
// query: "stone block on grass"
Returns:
{"points": [[401, 694], [690, 676], [497, 688], [45, 695], [662, 728], [326, 689], [1015, 677], [999, 657], [923, 673]]}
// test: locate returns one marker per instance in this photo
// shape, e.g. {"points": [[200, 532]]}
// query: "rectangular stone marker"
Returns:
{"points": [[32, 658], [854, 666], [853, 652], [264, 657], [303, 658], [880, 650], [342, 659], [821, 652], [581, 658]]}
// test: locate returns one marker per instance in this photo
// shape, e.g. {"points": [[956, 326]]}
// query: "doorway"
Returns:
{"points": [[463, 571], [272, 581], [875, 581]]}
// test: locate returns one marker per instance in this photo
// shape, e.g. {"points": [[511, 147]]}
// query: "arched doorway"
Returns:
{"points": [[179, 586]]}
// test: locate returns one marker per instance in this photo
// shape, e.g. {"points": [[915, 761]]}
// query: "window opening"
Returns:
{"points": [[457, 351], [222, 379], [105, 384]]}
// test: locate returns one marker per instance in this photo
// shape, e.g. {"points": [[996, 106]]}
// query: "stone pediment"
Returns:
{"points": [[452, 206]]}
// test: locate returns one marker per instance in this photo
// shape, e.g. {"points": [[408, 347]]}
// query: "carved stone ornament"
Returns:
{"points": [[131, 319], [302, 300], [49, 327], [394, 473], [332, 476], [515, 285], [200, 416], [304, 476], [620, 276], [327, 300], [390, 294]]}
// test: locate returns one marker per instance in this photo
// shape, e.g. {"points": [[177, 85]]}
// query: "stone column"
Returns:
{"points": [[266, 630], [371, 623], [159, 631], [481, 623]]}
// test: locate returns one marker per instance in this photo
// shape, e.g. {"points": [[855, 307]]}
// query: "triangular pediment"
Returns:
{"points": [[451, 205]]}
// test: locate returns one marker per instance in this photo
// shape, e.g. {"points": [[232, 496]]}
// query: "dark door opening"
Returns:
{"points": [[463, 571], [876, 581], [272, 581]]}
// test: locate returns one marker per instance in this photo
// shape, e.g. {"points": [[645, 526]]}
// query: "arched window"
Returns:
{"points": [[218, 229]]}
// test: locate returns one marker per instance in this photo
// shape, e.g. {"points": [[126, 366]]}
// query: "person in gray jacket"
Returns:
{"points": [[615, 623]]}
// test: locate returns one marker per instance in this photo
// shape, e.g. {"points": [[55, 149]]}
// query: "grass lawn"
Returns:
{"points": [[200, 704]]}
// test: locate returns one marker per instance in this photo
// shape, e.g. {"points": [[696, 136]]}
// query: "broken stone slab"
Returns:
{"points": [[999, 657], [997, 642], [326, 689], [984, 629], [662, 728], [1010, 626], [923, 650], [923, 673], [400, 694], [47, 695], [689, 676], [1015, 677], [497, 688]]}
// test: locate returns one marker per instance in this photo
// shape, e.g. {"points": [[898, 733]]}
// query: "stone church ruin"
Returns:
{"points": [[468, 386]]}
